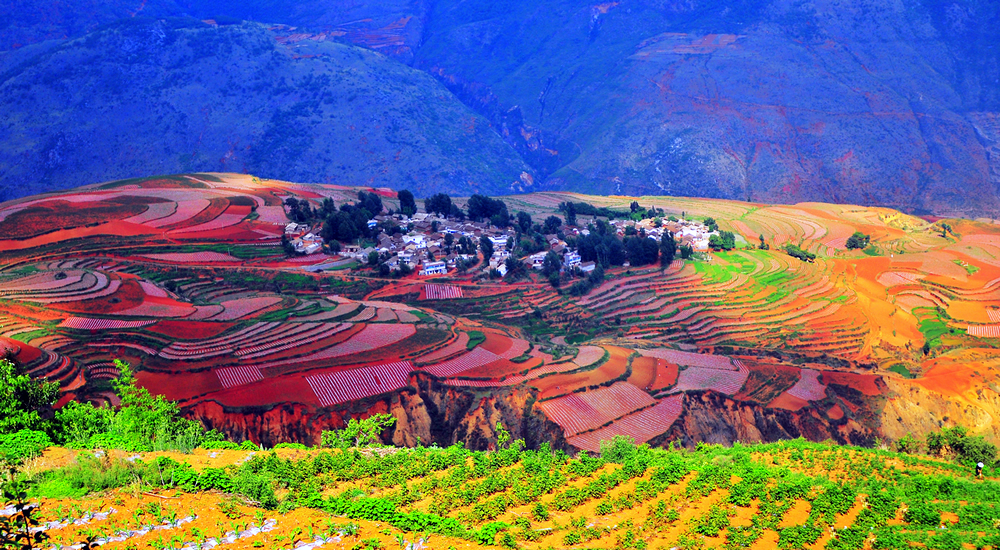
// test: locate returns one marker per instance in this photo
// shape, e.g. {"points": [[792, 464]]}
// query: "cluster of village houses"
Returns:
{"points": [[423, 249]]}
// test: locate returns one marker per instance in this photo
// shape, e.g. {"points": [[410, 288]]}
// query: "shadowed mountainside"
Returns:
{"points": [[873, 102], [177, 95]]}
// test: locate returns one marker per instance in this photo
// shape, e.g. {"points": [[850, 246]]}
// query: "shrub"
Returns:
{"points": [[17, 447], [358, 433], [922, 514], [23, 400]]}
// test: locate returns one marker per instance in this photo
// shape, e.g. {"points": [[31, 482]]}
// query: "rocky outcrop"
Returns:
{"points": [[426, 412], [712, 417]]}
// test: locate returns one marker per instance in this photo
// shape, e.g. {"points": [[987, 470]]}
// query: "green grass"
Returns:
{"points": [[933, 324], [970, 269], [901, 370], [476, 337]]}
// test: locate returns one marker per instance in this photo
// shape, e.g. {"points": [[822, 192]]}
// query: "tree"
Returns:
{"points": [[438, 203], [570, 213], [481, 207], [796, 252], [486, 245], [523, 221], [552, 225], [287, 247], [725, 240], [858, 241], [711, 224], [371, 203], [641, 251], [552, 264], [668, 248], [686, 251], [407, 205], [358, 433], [763, 245], [23, 400], [373, 258], [634, 207]]}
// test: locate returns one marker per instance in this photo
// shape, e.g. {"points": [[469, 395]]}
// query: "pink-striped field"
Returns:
{"points": [[371, 337], [192, 257], [83, 323], [640, 426], [808, 387], [588, 355], [475, 358], [579, 412], [993, 314], [238, 376], [984, 331], [341, 387], [235, 309], [701, 378], [684, 358], [442, 292]]}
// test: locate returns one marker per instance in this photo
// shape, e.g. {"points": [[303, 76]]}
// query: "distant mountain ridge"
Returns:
{"points": [[872, 102]]}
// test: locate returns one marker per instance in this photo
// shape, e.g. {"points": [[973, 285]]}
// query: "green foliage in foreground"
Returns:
{"points": [[460, 493], [143, 422], [23, 401]]}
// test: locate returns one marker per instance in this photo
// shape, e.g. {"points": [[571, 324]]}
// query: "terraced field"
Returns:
{"points": [[192, 289], [787, 495]]}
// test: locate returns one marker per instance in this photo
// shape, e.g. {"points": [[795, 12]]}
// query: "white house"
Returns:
{"points": [[434, 268], [587, 267]]}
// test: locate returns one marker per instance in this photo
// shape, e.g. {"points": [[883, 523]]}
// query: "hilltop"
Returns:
{"points": [[185, 278], [861, 102]]}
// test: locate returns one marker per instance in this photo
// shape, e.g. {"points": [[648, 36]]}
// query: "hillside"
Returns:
{"points": [[146, 96], [860, 102], [788, 495], [184, 278]]}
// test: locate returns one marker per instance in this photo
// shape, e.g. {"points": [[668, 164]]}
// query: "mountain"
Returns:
{"points": [[160, 96], [861, 101]]}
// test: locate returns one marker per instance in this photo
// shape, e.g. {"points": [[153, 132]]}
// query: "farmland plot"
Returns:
{"points": [[587, 410], [701, 378], [808, 387], [442, 292], [231, 377], [83, 323], [475, 358], [349, 385], [640, 426]]}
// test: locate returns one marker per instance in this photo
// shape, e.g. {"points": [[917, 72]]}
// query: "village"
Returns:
{"points": [[435, 245]]}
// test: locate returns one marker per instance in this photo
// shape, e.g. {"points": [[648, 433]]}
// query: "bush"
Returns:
{"points": [[922, 514], [796, 252], [358, 433], [23, 400], [17, 447]]}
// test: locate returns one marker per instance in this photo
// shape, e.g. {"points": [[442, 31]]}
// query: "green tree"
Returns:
{"points": [[711, 224], [486, 245], [858, 241], [524, 221], [358, 433], [407, 205], [438, 203], [552, 224], [668, 248], [373, 258], [23, 400]]}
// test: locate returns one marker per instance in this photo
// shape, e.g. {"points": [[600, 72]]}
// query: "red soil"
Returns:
{"points": [[57, 214], [501, 368], [293, 388], [118, 228], [25, 355], [865, 383], [666, 375], [835, 413], [215, 208], [195, 384], [129, 295], [190, 330], [560, 384], [496, 343], [644, 372], [789, 402]]}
